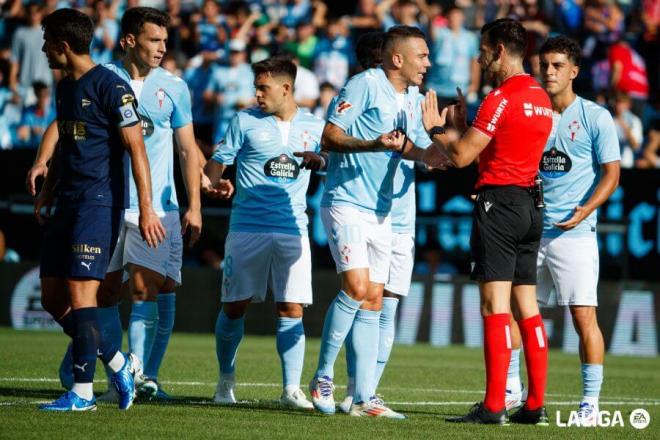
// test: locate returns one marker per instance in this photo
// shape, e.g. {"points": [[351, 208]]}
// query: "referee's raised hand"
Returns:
{"points": [[151, 228]]}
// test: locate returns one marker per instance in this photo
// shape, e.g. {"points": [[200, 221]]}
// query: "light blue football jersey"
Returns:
{"points": [[404, 197], [271, 187], [366, 108], [164, 105], [583, 137]]}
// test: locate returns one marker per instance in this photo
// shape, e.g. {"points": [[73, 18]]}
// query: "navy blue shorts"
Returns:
{"points": [[78, 241]]}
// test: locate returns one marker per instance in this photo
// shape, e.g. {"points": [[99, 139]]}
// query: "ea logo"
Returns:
{"points": [[640, 418]]}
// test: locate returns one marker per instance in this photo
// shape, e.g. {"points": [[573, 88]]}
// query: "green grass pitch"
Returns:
{"points": [[426, 383]]}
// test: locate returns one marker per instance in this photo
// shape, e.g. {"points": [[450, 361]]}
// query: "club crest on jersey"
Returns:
{"points": [[555, 163], [282, 169], [160, 94], [573, 128], [343, 107], [306, 139]]}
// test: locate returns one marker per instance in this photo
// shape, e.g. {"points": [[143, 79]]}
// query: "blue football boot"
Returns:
{"points": [[124, 380], [70, 401]]}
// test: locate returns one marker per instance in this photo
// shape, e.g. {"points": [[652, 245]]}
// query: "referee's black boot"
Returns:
{"points": [[480, 415], [531, 416]]}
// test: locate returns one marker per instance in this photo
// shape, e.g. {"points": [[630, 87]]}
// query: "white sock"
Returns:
{"points": [[84, 390], [117, 362], [591, 400]]}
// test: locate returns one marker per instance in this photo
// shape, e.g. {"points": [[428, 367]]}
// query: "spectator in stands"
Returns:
{"points": [[326, 93], [628, 129], [198, 79], [210, 31], [36, 118], [628, 75], [231, 88], [306, 87], [304, 45], [106, 33], [7, 255], [28, 62], [454, 55], [334, 54]]}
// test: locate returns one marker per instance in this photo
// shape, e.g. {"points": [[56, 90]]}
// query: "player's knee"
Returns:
{"points": [[235, 310], [144, 291], [108, 295], [289, 310], [584, 319], [374, 304], [54, 304], [169, 286], [356, 288]]}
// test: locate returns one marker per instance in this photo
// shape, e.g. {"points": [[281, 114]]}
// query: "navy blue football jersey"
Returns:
{"points": [[90, 112]]}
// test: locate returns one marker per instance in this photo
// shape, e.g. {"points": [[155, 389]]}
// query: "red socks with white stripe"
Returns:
{"points": [[535, 344], [497, 352]]}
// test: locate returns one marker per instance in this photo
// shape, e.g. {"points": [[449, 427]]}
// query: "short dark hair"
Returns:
{"points": [[71, 26], [38, 86], [134, 19], [279, 65], [401, 32], [508, 32], [369, 49], [564, 45]]}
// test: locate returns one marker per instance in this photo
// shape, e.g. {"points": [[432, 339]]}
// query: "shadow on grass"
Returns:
{"points": [[34, 393]]}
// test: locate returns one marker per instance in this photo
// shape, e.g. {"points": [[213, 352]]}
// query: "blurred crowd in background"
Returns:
{"points": [[212, 43]]}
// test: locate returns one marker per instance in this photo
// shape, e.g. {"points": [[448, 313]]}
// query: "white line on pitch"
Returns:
{"points": [[278, 385]]}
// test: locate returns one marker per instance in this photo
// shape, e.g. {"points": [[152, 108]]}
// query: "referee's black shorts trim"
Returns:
{"points": [[506, 232]]}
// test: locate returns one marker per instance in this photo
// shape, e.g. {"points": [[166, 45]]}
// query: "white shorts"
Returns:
{"points": [[359, 240], [570, 266], [256, 261], [401, 263], [132, 249]]}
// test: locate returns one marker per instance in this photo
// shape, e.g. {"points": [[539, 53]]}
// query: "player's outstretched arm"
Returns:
{"points": [[45, 153], [609, 180], [335, 139], [189, 159], [151, 228]]}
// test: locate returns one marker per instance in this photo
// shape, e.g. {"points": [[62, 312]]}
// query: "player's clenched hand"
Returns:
{"points": [[431, 117], [44, 200], [310, 160], [435, 158], [578, 215], [192, 219], [151, 228], [392, 141], [37, 170]]}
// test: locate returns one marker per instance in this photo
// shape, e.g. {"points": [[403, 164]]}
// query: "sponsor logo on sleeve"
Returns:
{"points": [[343, 107]]}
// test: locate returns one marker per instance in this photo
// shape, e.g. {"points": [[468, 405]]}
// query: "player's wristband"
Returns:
{"points": [[436, 130]]}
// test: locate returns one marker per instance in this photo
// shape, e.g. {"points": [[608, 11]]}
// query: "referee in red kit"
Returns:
{"points": [[509, 134]]}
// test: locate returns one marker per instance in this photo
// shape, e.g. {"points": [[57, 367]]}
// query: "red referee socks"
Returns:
{"points": [[535, 344], [497, 352]]}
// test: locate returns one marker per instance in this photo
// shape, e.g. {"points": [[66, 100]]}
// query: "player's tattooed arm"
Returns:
{"points": [[219, 188], [189, 159], [335, 139], [45, 153], [609, 180], [151, 229]]}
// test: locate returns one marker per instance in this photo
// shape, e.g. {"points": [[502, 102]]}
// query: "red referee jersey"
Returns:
{"points": [[517, 117]]}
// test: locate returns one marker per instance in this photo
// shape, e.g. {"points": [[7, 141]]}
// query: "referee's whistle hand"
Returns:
{"points": [[151, 228]]}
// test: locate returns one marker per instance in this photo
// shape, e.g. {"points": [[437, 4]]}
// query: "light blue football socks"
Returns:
{"points": [[291, 348], [228, 336], [166, 312]]}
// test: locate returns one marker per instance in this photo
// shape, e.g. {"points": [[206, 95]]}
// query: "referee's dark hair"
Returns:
{"points": [[508, 32], [134, 19], [369, 49], [398, 33], [564, 45], [278, 65], [71, 26]]}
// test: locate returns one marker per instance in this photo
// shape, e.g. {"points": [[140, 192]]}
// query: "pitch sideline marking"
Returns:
{"points": [[640, 400]]}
